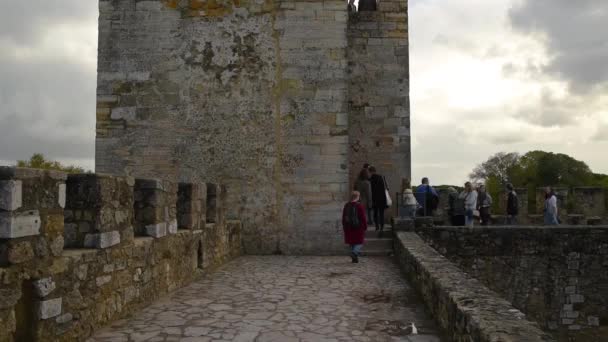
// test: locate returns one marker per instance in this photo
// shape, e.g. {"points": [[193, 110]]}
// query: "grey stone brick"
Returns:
{"points": [[49, 308], [16, 225], [43, 287], [10, 195]]}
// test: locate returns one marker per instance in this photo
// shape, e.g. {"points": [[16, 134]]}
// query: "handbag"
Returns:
{"points": [[389, 201]]}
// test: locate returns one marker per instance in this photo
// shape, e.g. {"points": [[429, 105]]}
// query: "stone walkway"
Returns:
{"points": [[285, 299]]}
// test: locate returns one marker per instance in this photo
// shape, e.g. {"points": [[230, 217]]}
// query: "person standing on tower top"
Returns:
{"points": [[428, 198], [379, 201], [512, 205], [367, 5], [351, 6]]}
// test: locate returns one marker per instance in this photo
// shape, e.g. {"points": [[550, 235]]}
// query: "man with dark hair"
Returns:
{"points": [[427, 197], [379, 201], [512, 205], [367, 5]]}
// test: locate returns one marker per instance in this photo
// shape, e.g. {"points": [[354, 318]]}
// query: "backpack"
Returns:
{"points": [[432, 201], [351, 217]]}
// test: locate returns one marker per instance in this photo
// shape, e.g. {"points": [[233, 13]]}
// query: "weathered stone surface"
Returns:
{"points": [[102, 240], [43, 287], [465, 309], [65, 318], [16, 225], [19, 252], [378, 84], [259, 93], [61, 195], [9, 297], [97, 204], [172, 227], [157, 230], [49, 308], [10, 195], [556, 275], [293, 299]]}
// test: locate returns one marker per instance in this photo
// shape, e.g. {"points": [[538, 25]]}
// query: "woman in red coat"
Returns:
{"points": [[354, 224]]}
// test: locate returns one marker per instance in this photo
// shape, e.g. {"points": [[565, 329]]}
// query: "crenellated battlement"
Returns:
{"points": [[78, 251]]}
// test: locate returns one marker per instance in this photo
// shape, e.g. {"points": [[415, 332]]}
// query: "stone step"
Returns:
{"points": [[372, 234], [376, 252], [378, 244]]}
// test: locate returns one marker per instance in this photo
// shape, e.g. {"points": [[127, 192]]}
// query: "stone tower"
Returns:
{"points": [[280, 100]]}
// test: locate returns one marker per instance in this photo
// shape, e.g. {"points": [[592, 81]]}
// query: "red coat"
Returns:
{"points": [[355, 236]]}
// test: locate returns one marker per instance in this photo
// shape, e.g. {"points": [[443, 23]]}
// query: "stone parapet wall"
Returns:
{"points": [[66, 272], [558, 276], [464, 308]]}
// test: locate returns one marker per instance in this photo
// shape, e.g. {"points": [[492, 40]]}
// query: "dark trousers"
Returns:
{"points": [[379, 217], [457, 220], [424, 212], [370, 216], [484, 215]]}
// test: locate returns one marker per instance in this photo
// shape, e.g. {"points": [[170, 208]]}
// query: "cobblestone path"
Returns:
{"points": [[285, 299]]}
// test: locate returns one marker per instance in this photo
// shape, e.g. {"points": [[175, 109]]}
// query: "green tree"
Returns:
{"points": [[501, 167], [38, 161]]}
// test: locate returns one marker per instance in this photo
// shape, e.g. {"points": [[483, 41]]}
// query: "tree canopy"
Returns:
{"points": [[38, 161], [536, 168]]}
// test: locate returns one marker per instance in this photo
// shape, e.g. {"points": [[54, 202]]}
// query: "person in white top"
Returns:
{"points": [[469, 195], [550, 207]]}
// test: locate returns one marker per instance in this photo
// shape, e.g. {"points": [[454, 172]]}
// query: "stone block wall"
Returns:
{"points": [[31, 215], [155, 207], [557, 276], [52, 293], [379, 109], [254, 95], [99, 211], [464, 308], [191, 206], [589, 201]]}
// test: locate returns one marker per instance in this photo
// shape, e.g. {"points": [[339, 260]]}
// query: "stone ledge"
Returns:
{"points": [[463, 307]]}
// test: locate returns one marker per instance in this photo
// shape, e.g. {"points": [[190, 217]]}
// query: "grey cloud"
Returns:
{"points": [[551, 112], [576, 35], [24, 22], [48, 107]]}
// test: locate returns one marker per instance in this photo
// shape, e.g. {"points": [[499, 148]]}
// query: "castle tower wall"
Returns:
{"points": [[249, 94], [379, 109]]}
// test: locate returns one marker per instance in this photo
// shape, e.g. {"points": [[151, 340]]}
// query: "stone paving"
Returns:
{"points": [[285, 299]]}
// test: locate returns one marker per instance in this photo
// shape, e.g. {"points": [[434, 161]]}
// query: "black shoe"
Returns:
{"points": [[353, 258]]}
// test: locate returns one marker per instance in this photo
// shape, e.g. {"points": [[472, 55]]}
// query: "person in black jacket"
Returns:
{"points": [[512, 205], [378, 197], [367, 5]]}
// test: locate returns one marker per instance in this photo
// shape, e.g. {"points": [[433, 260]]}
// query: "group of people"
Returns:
{"points": [[371, 198], [367, 205], [470, 205]]}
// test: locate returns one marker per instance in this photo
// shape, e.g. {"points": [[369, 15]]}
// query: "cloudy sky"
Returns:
{"points": [[486, 76]]}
